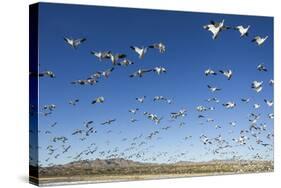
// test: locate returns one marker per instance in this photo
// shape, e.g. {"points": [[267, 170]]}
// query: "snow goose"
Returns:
{"points": [[215, 28], [159, 70], [73, 102], [108, 122], [50, 107], [101, 55], [257, 86], [259, 40], [242, 30], [269, 102], [213, 89], [181, 113], [141, 99], [140, 51], [134, 111], [271, 116], [125, 63], [115, 57], [140, 72], [160, 46], [98, 100], [227, 73], [271, 82], [210, 72], [47, 74], [74, 43], [106, 73], [257, 106], [214, 99], [246, 100], [229, 105], [261, 68]]}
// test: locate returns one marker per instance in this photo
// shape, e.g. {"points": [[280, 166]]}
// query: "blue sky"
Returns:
{"points": [[190, 50]]}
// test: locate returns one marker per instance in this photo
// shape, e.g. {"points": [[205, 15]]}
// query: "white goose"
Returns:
{"points": [[213, 89], [159, 70], [101, 55], [256, 106], [243, 30], [257, 86], [210, 72], [98, 100], [229, 105], [261, 68], [125, 63], [269, 102], [140, 51], [74, 43], [259, 40], [160, 46], [215, 28], [140, 72], [115, 57], [271, 82], [141, 99], [227, 73], [246, 100]]}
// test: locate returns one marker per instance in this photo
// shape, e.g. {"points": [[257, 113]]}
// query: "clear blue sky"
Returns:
{"points": [[190, 50]]}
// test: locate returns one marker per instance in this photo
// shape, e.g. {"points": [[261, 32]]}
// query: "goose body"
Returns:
{"points": [[159, 70], [257, 86], [243, 30], [213, 89], [98, 100], [101, 55], [269, 102], [210, 72], [74, 43], [229, 105], [215, 28], [261, 68], [227, 73], [160, 46], [140, 72], [141, 99], [140, 51], [259, 40]]}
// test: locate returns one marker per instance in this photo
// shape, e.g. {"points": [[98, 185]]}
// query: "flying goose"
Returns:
{"points": [[141, 99], [271, 116], [229, 105], [73, 102], [98, 100], [261, 68], [160, 46], [101, 55], [227, 73], [115, 57], [159, 70], [108, 122], [210, 72], [50, 107], [246, 100], [90, 81], [88, 123], [215, 28], [133, 120], [181, 113], [259, 40], [214, 99], [106, 73], [256, 106], [140, 51], [242, 30], [140, 72], [257, 86], [271, 82], [201, 108], [125, 63], [47, 74], [134, 111], [232, 123], [269, 102], [74, 43], [213, 89], [157, 98]]}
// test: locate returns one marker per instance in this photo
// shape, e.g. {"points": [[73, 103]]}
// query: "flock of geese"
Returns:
{"points": [[140, 147]]}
